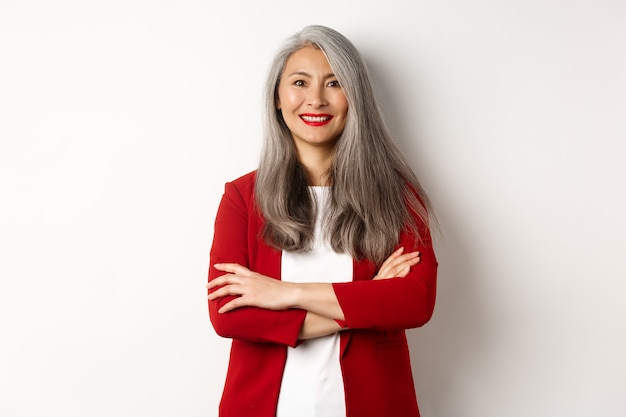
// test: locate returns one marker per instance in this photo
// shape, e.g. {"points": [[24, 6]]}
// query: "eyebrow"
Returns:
{"points": [[306, 74]]}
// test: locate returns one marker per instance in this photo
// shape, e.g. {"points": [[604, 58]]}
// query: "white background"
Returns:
{"points": [[120, 121]]}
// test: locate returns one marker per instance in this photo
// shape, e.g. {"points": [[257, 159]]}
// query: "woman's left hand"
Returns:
{"points": [[252, 289]]}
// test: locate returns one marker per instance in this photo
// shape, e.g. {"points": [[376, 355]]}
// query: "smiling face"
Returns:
{"points": [[312, 103]]}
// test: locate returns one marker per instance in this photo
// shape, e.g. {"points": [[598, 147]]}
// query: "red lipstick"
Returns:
{"points": [[315, 119]]}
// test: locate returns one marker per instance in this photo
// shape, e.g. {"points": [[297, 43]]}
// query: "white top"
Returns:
{"points": [[312, 384]]}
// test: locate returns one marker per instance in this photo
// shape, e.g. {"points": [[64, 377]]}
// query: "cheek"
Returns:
{"points": [[288, 98], [342, 104], [345, 109]]}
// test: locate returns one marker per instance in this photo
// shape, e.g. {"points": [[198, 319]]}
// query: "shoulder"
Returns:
{"points": [[245, 180], [242, 187]]}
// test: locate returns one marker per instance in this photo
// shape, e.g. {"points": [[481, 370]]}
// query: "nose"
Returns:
{"points": [[316, 97]]}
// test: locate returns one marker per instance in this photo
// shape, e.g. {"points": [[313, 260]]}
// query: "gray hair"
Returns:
{"points": [[374, 193]]}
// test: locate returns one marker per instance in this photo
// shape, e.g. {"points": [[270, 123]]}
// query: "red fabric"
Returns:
{"points": [[374, 352]]}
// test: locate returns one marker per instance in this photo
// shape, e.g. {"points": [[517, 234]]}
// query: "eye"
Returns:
{"points": [[333, 83], [299, 83]]}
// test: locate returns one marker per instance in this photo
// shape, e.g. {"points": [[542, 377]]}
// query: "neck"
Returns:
{"points": [[317, 164]]}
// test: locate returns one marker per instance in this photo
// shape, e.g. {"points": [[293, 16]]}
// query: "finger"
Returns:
{"points": [[408, 259], [232, 268], [222, 280], [226, 291], [401, 260], [400, 266], [396, 263], [404, 272], [394, 255], [232, 305], [410, 255], [408, 262], [415, 257]]}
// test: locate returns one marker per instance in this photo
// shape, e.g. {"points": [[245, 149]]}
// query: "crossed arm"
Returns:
{"points": [[319, 300], [245, 304]]}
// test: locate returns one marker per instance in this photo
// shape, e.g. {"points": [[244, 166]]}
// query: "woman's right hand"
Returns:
{"points": [[398, 264]]}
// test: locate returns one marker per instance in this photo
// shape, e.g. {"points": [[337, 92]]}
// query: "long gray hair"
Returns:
{"points": [[374, 192]]}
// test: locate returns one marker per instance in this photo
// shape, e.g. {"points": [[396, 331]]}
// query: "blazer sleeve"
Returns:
{"points": [[231, 245], [395, 303]]}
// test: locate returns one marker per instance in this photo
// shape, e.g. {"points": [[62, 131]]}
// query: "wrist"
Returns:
{"points": [[295, 295]]}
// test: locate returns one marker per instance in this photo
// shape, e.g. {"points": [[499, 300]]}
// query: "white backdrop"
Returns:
{"points": [[120, 121]]}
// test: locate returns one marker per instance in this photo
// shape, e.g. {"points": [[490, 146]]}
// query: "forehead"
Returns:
{"points": [[308, 59]]}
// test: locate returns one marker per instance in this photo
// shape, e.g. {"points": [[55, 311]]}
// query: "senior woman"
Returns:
{"points": [[322, 257]]}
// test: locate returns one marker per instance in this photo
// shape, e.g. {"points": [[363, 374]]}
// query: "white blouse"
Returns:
{"points": [[312, 384]]}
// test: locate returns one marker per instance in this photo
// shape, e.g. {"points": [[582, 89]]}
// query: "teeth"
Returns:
{"points": [[315, 119]]}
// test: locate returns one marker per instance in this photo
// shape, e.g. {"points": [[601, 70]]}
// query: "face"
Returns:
{"points": [[313, 104]]}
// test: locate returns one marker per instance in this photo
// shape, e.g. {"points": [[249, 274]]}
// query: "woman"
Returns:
{"points": [[322, 257]]}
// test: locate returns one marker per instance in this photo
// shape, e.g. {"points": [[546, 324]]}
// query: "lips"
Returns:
{"points": [[316, 119]]}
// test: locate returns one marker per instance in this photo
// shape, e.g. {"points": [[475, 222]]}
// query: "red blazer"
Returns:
{"points": [[374, 352]]}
